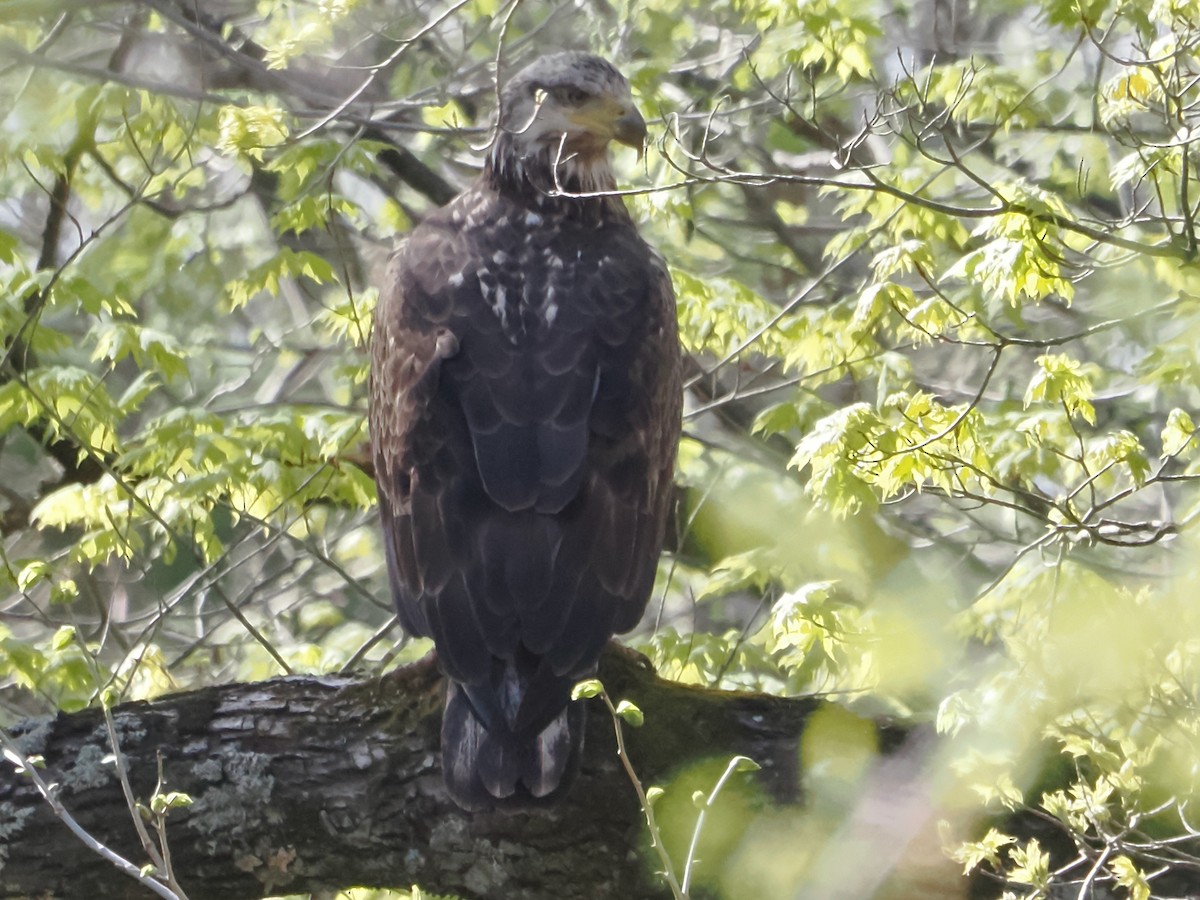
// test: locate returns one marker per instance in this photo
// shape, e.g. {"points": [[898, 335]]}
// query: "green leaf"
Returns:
{"points": [[1031, 865], [161, 803], [781, 418], [1179, 434], [33, 572], [1119, 447], [1060, 379], [64, 638], [1130, 877], [250, 131], [586, 690], [267, 277], [972, 854], [64, 591], [630, 713], [744, 764], [9, 246]]}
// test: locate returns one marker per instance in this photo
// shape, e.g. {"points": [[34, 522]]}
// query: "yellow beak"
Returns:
{"points": [[611, 120]]}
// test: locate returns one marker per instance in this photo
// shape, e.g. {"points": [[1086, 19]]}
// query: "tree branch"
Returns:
{"points": [[305, 784]]}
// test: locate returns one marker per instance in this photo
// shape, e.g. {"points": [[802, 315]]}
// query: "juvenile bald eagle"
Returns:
{"points": [[525, 411]]}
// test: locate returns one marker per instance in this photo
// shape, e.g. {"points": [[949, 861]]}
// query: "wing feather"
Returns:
{"points": [[463, 650], [508, 465], [525, 411]]}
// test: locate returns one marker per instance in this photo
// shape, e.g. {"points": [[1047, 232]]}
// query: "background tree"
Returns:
{"points": [[936, 271]]}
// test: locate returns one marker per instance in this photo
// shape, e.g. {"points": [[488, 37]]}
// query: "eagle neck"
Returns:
{"points": [[529, 179]]}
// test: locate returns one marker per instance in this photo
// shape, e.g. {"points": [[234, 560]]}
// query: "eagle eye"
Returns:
{"points": [[571, 96]]}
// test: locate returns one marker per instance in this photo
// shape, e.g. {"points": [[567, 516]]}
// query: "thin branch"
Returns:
{"points": [[26, 767]]}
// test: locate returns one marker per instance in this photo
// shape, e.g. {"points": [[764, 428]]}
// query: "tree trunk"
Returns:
{"points": [[309, 784]]}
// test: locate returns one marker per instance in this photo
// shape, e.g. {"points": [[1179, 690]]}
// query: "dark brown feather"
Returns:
{"points": [[524, 411]]}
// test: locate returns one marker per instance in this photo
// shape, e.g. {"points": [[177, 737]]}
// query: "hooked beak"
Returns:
{"points": [[611, 120], [630, 130]]}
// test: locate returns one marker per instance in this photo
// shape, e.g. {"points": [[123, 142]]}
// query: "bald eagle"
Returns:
{"points": [[524, 413]]}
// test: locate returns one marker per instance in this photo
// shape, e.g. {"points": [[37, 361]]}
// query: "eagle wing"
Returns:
{"points": [[525, 411]]}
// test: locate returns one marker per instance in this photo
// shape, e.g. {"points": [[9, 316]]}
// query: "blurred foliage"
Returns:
{"points": [[369, 894], [936, 267]]}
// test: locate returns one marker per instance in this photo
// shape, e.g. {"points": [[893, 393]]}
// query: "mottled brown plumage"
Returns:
{"points": [[525, 411]]}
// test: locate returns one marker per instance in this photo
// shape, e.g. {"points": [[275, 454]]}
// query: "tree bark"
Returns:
{"points": [[310, 784]]}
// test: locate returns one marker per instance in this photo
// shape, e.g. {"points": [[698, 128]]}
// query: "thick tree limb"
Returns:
{"points": [[307, 784]]}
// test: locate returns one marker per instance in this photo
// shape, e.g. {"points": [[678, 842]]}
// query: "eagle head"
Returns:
{"points": [[562, 111]]}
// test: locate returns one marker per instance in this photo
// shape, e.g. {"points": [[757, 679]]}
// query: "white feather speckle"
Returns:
{"points": [[500, 305], [456, 279], [532, 218], [486, 287]]}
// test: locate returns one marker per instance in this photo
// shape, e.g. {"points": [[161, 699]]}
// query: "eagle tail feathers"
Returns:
{"points": [[489, 761]]}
